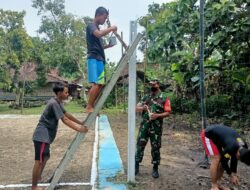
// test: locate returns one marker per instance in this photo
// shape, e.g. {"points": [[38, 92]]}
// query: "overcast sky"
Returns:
{"points": [[121, 13]]}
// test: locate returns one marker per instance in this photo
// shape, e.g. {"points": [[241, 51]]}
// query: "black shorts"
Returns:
{"points": [[41, 150]]}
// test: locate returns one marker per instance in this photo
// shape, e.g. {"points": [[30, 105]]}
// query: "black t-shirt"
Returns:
{"points": [[228, 142], [47, 126], [94, 44]]}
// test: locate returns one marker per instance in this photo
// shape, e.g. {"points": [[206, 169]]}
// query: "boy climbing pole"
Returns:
{"points": [[96, 55]]}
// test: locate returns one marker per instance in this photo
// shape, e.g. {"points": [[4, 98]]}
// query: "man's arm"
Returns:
{"points": [[72, 125], [233, 167], [154, 116], [163, 115], [226, 155], [234, 164], [72, 118], [224, 163], [107, 46], [101, 33], [229, 152]]}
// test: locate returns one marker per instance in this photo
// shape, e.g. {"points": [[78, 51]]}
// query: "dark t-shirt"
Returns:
{"points": [[47, 126], [228, 142], [94, 44]]}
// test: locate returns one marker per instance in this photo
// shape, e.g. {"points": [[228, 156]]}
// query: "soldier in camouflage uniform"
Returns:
{"points": [[154, 108]]}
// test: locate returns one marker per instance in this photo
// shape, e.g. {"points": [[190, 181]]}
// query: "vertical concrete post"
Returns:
{"points": [[131, 107]]}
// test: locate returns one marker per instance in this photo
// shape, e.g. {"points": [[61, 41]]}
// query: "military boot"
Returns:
{"points": [[136, 168], [155, 173]]}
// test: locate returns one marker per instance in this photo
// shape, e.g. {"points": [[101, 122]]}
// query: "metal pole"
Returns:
{"points": [[146, 59], [205, 163], [202, 90], [131, 107], [122, 46], [123, 79]]}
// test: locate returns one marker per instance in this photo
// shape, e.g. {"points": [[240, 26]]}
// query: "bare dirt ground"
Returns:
{"points": [[17, 153], [181, 152]]}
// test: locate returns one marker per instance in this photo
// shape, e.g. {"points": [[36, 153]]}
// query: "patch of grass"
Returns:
{"points": [[134, 186], [118, 178], [5, 109], [121, 178], [72, 107], [112, 111]]}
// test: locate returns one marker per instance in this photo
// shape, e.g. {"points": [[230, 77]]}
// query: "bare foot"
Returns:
{"points": [[221, 187], [46, 180]]}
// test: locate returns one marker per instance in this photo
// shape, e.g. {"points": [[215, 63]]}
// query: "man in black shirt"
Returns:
{"points": [[223, 143], [96, 56]]}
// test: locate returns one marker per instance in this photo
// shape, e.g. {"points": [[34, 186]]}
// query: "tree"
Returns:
{"points": [[173, 42], [64, 35], [39, 57], [16, 45]]}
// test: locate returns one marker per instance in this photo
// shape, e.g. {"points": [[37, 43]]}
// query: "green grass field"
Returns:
{"points": [[72, 107]]}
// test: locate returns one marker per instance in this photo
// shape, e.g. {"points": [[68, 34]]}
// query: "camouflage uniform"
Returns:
{"points": [[151, 129]]}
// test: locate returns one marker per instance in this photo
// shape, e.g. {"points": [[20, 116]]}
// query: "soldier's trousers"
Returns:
{"points": [[149, 130]]}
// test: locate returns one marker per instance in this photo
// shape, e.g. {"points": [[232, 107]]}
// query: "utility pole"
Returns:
{"points": [[205, 163], [132, 106], [202, 89]]}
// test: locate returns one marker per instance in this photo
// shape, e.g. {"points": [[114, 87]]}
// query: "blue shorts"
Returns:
{"points": [[96, 71]]}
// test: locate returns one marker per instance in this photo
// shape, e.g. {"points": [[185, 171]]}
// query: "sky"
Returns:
{"points": [[121, 13]]}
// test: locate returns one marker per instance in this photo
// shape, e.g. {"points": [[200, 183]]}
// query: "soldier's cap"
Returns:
{"points": [[153, 81]]}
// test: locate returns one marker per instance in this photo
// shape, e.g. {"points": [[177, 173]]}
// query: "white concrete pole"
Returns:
{"points": [[131, 107]]}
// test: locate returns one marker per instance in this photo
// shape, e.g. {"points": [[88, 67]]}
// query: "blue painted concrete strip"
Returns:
{"points": [[109, 162]]}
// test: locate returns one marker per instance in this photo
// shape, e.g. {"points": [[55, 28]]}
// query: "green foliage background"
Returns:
{"points": [[170, 47]]}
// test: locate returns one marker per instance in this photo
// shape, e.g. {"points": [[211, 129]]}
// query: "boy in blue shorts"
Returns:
{"points": [[96, 55]]}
